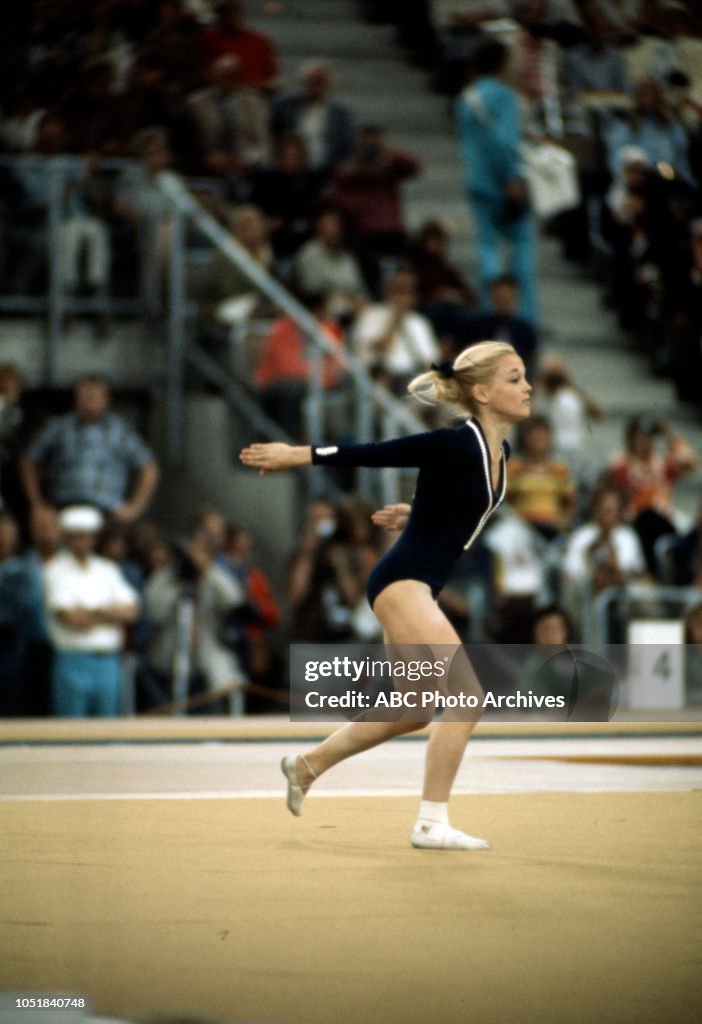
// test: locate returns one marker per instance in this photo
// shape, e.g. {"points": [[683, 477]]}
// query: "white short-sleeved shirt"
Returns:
{"points": [[520, 570], [313, 127], [413, 347], [567, 413], [98, 584], [626, 544]]}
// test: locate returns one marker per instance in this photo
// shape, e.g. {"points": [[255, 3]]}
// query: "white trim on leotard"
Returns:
{"points": [[492, 504]]}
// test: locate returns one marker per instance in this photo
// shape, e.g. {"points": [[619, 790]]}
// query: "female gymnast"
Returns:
{"points": [[461, 482]]}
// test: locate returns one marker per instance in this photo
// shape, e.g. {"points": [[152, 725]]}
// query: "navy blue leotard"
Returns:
{"points": [[453, 500]]}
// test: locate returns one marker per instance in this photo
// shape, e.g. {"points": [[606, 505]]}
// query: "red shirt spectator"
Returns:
{"points": [[368, 187], [228, 36], [264, 606]]}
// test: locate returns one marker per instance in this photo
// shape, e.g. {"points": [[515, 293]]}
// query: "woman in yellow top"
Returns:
{"points": [[540, 487]]}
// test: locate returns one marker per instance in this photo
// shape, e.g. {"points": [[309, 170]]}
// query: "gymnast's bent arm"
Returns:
{"points": [[392, 518]]}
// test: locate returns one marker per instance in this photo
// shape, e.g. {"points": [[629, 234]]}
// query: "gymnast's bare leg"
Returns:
{"points": [[408, 615]]}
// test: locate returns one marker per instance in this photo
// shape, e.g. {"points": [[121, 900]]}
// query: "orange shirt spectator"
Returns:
{"points": [[284, 356], [646, 476]]}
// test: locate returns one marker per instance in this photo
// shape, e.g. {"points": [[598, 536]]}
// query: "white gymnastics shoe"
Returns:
{"points": [[295, 794], [440, 836]]}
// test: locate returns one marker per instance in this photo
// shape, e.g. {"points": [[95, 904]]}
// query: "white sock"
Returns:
{"points": [[433, 813]]}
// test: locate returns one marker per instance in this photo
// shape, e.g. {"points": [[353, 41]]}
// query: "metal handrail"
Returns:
{"points": [[368, 396], [371, 403], [55, 303], [235, 394], [635, 592]]}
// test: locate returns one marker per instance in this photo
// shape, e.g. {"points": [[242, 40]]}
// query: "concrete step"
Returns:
{"points": [[331, 38], [415, 113], [362, 73], [603, 362], [437, 148], [264, 13], [130, 355], [435, 181]]}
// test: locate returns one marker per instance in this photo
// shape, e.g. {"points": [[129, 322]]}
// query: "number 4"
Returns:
{"points": [[661, 666]]}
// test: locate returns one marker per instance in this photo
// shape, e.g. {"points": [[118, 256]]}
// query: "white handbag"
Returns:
{"points": [[552, 178]]}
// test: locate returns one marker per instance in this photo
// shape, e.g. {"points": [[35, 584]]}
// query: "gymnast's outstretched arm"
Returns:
{"points": [[434, 447], [270, 458]]}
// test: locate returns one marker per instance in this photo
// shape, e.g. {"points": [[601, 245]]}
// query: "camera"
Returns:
{"points": [[184, 569]]}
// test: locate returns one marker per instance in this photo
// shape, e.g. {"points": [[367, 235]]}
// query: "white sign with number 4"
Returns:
{"points": [[656, 678]]}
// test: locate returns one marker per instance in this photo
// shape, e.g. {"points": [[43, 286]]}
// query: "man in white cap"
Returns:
{"points": [[88, 603]]}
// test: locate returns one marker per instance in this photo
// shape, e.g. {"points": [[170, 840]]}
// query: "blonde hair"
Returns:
{"points": [[474, 365]]}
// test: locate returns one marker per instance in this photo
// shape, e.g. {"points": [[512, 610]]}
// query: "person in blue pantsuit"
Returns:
{"points": [[489, 131]]}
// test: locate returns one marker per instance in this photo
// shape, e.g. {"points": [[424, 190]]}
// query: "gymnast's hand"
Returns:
{"points": [[392, 517], [269, 458]]}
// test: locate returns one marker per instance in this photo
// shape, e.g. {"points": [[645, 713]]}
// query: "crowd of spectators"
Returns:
{"points": [[618, 85], [92, 592], [125, 89], [194, 88]]}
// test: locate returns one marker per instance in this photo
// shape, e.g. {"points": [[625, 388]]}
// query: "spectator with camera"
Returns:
{"points": [[186, 605], [647, 476], [251, 624], [328, 572], [570, 412], [392, 340], [368, 188], [604, 552]]}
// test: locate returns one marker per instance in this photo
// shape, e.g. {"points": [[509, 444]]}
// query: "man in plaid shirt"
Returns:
{"points": [[91, 455]]}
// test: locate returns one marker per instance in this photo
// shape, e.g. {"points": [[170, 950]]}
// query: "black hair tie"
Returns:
{"points": [[445, 369]]}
